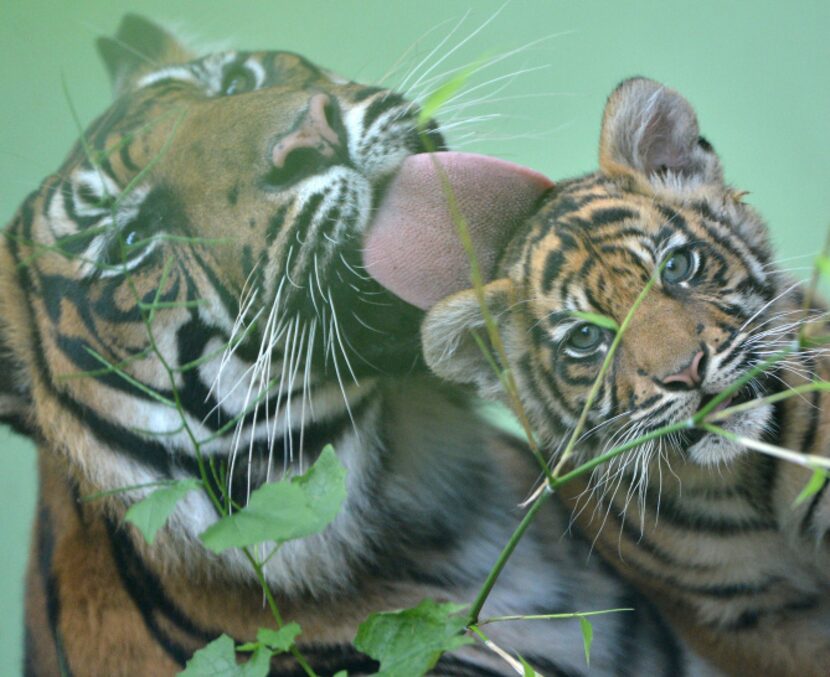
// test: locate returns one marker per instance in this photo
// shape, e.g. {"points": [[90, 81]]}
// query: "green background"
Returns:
{"points": [[757, 73]]}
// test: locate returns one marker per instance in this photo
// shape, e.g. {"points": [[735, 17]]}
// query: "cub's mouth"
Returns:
{"points": [[740, 420], [744, 394]]}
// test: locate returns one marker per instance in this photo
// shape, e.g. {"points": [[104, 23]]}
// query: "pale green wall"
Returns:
{"points": [[756, 71]]}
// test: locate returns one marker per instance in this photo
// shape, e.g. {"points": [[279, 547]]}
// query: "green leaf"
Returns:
{"points": [[283, 511], [587, 637], [410, 642], [528, 670], [151, 512], [595, 318], [823, 265], [443, 94], [218, 659], [279, 641], [341, 673], [813, 486]]}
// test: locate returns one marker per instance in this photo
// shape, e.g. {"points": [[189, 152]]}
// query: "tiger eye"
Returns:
{"points": [[680, 267], [585, 338], [238, 80]]}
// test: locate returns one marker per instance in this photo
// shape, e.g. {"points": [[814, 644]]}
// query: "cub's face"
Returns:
{"points": [[593, 248], [658, 208]]}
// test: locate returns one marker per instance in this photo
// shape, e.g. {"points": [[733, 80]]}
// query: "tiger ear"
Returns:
{"points": [[138, 46], [448, 337], [650, 131]]}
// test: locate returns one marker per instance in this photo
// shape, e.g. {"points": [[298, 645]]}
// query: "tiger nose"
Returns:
{"points": [[690, 376], [316, 133]]}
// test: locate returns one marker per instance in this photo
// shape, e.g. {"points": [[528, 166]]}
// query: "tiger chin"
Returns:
{"points": [[709, 529], [219, 208]]}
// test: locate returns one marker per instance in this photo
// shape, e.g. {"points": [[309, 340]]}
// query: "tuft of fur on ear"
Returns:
{"points": [[448, 337], [139, 46], [650, 131]]}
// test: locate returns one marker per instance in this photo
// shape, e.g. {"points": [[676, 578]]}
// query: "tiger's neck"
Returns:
{"points": [[409, 452]]}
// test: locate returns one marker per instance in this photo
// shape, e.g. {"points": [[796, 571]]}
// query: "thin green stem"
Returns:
{"points": [[820, 386], [507, 551], [606, 365], [725, 394], [505, 375], [275, 612], [543, 495], [806, 460], [550, 617], [812, 287]]}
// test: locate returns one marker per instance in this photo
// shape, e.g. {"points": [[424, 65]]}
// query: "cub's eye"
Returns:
{"points": [[585, 338], [680, 267], [238, 80]]}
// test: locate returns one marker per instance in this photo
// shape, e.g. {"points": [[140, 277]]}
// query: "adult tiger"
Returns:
{"points": [[219, 190], [706, 528]]}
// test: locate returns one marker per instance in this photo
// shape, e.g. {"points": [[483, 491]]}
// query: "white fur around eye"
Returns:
{"points": [[182, 73], [256, 68]]}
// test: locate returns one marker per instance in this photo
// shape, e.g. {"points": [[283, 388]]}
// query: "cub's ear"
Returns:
{"points": [[651, 132], [448, 337], [138, 46]]}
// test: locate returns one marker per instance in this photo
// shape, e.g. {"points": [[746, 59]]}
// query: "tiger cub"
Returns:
{"points": [[707, 528], [202, 245]]}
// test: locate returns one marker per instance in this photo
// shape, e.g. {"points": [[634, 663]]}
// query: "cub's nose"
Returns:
{"points": [[690, 377], [317, 136]]}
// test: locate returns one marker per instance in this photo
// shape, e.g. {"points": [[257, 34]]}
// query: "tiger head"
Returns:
{"points": [[198, 260], [657, 207], [189, 296]]}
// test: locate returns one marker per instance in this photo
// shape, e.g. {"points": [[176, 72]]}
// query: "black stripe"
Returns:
{"points": [[807, 521], [149, 597], [703, 207], [553, 266], [749, 619], [676, 514], [717, 591], [30, 654], [608, 215], [667, 642], [456, 666], [51, 586], [627, 633], [381, 105], [325, 659]]}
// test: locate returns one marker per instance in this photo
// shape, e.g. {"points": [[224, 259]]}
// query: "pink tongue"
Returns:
{"points": [[413, 248]]}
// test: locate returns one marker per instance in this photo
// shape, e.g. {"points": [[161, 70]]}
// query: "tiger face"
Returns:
{"points": [[205, 237], [189, 295], [258, 169], [657, 207]]}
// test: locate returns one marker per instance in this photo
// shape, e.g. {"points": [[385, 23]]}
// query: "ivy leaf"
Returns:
{"points": [[283, 511], [595, 318], [813, 486], [151, 512], [410, 642], [587, 637], [218, 659], [278, 641]]}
